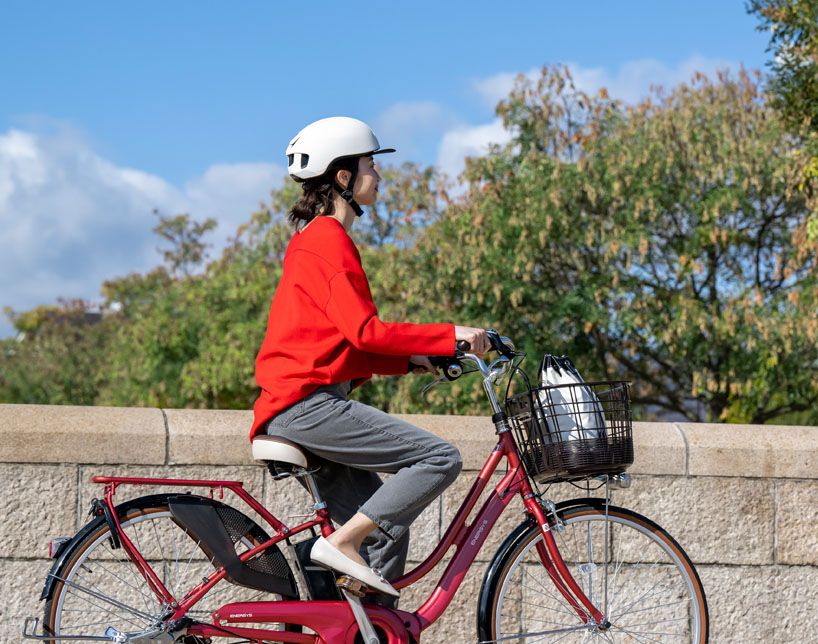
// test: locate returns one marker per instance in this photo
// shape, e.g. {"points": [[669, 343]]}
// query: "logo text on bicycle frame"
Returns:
{"points": [[479, 532], [234, 615]]}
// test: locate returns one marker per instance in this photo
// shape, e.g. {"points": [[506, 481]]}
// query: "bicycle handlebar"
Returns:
{"points": [[452, 366]]}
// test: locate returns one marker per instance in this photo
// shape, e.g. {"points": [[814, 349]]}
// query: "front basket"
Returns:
{"points": [[570, 432]]}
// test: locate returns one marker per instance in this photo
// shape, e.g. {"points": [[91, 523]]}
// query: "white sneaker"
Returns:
{"points": [[324, 553]]}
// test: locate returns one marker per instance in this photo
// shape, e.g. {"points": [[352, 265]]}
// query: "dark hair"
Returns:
{"points": [[318, 193]]}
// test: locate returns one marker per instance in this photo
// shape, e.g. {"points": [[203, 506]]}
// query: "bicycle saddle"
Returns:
{"points": [[284, 458]]}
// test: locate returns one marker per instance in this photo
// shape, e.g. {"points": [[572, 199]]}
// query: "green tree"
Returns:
{"points": [[793, 28], [188, 250], [660, 243], [156, 318], [57, 357]]}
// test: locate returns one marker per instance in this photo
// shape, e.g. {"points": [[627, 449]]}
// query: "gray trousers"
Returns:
{"points": [[352, 442]]}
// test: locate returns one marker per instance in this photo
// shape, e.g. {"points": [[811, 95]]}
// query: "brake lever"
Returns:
{"points": [[432, 384]]}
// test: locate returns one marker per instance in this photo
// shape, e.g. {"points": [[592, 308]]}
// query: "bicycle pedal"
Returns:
{"points": [[352, 586]]}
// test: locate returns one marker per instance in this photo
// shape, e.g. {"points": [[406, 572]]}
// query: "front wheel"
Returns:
{"points": [[629, 567]]}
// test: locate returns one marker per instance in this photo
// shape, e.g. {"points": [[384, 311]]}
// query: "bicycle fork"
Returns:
{"points": [[559, 573]]}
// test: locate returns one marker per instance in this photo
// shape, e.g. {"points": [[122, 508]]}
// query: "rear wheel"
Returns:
{"points": [[629, 567], [99, 591]]}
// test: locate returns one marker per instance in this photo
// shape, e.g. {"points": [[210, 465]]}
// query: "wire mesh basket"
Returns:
{"points": [[570, 432]]}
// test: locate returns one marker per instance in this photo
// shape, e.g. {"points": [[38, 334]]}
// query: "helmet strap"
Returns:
{"points": [[346, 193]]}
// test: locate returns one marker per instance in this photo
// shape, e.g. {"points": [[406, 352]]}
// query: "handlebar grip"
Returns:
{"points": [[463, 345]]}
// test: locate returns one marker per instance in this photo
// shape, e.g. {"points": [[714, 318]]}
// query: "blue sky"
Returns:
{"points": [[108, 110]]}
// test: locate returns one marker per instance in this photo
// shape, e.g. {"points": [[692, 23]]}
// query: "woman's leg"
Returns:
{"points": [[363, 438], [345, 489]]}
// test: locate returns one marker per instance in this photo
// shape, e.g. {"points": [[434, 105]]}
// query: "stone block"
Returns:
{"points": [[40, 502], [639, 600], [659, 448], [287, 500], [424, 533], [473, 435], [760, 603], [89, 490], [715, 520], [250, 475], [513, 515], [69, 434], [797, 522], [458, 622], [456, 494], [21, 583], [210, 437], [180, 570], [752, 450]]}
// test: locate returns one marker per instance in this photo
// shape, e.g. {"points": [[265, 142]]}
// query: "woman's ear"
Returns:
{"points": [[342, 178]]}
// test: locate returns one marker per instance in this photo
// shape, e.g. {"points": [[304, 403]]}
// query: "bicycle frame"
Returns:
{"points": [[333, 620]]}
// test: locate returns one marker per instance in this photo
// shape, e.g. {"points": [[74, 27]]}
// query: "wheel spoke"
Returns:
{"points": [[104, 598], [102, 607], [623, 563], [94, 592], [98, 563]]}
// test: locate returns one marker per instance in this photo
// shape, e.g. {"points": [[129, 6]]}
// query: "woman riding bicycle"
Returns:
{"points": [[324, 338]]}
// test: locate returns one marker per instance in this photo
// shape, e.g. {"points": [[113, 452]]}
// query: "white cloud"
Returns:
{"points": [[230, 192], [70, 219], [407, 126], [630, 82], [400, 116], [633, 80], [468, 141], [493, 89]]}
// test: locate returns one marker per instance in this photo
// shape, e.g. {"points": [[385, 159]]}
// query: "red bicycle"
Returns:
{"points": [[188, 568]]}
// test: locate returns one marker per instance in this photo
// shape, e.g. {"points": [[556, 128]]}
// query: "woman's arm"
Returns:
{"points": [[351, 309], [385, 365]]}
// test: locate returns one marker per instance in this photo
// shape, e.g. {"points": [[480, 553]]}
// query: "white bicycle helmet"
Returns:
{"points": [[314, 148]]}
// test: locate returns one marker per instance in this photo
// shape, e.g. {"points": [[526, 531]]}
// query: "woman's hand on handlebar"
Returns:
{"points": [[421, 364], [477, 339]]}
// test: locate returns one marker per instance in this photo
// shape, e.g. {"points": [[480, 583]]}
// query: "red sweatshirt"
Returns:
{"points": [[323, 327]]}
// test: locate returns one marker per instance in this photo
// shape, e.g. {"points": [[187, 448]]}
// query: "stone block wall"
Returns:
{"points": [[742, 500]]}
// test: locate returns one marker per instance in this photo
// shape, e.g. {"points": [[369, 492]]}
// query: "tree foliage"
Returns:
{"points": [[793, 27], [659, 242], [56, 357], [186, 237]]}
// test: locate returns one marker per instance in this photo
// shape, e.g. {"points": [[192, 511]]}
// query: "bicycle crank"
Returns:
{"points": [[142, 637], [352, 590]]}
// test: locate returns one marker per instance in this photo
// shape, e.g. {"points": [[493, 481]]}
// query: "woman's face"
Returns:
{"points": [[365, 191]]}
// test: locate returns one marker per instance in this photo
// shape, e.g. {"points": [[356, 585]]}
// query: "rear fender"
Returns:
{"points": [[68, 550]]}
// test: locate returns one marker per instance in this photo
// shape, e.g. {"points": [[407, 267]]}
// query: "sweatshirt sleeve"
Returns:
{"points": [[351, 309], [385, 365]]}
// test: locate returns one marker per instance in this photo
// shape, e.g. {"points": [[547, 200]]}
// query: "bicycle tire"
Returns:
{"points": [[654, 593], [90, 563]]}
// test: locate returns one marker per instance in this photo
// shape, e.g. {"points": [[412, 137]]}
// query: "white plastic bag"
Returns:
{"points": [[572, 413]]}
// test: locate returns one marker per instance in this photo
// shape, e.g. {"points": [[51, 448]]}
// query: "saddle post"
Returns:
{"points": [[312, 487]]}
